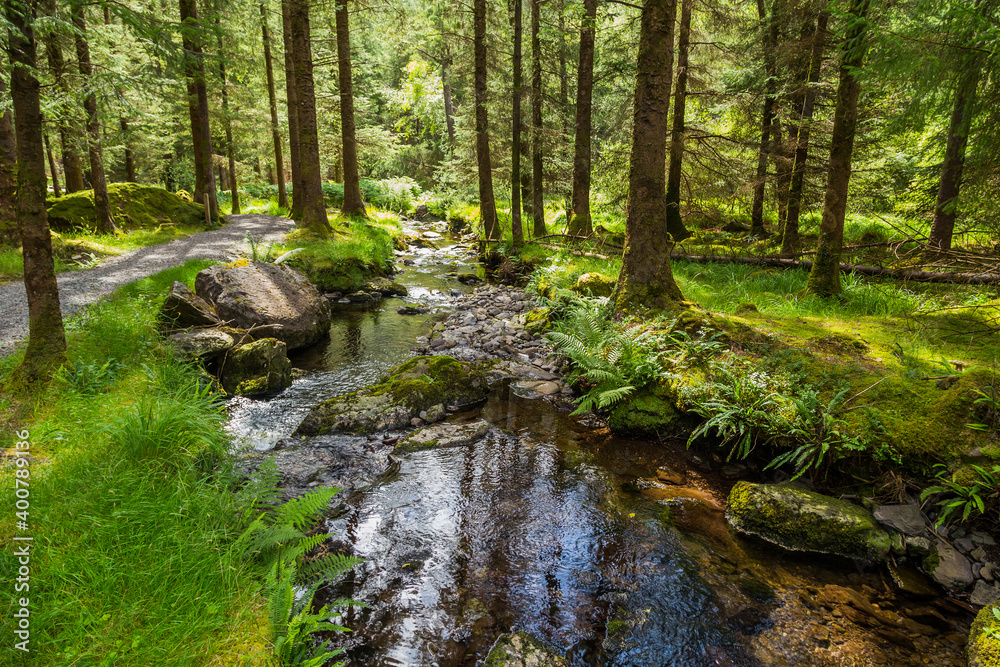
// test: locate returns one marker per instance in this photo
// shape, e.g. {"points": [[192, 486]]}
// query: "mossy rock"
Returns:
{"points": [[984, 639], [439, 436], [257, 368], [419, 384], [650, 412], [594, 284], [538, 320], [385, 287], [329, 274], [801, 520], [133, 206], [522, 650]]}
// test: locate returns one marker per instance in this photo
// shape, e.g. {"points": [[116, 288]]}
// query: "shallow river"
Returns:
{"points": [[543, 527]]}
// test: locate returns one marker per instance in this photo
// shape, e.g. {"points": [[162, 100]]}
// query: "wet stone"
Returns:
{"points": [[906, 519]]}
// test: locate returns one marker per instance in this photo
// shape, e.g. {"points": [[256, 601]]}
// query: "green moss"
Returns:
{"points": [[538, 320], [133, 206], [426, 381], [984, 639], [651, 412], [594, 284]]}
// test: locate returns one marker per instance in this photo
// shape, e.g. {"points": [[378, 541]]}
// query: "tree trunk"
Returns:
{"points": [[353, 204], [646, 280], [8, 173], [675, 225], [767, 121], [195, 71], [449, 103], [129, 157], [564, 106], [954, 156], [580, 223], [105, 223], [487, 204], [313, 208], [537, 175], [272, 100], [46, 349], [517, 231], [56, 191], [824, 278], [790, 234], [69, 132], [234, 192], [292, 98]]}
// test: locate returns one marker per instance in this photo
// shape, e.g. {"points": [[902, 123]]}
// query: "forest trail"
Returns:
{"points": [[82, 288]]}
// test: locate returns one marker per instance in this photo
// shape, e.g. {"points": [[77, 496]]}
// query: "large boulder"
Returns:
{"points": [[984, 639], [183, 308], [201, 344], [257, 368], [802, 520], [522, 650], [416, 386], [277, 297]]}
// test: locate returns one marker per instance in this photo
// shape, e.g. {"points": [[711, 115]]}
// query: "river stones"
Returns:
{"points": [[907, 519], [522, 650], [275, 296], [257, 368], [418, 385], [802, 520], [385, 287], [442, 435], [202, 344], [948, 567], [984, 639], [183, 308]]}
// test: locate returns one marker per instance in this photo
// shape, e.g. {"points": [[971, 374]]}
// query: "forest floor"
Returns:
{"points": [[82, 288]]}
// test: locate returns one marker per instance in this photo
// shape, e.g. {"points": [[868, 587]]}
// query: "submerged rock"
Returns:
{"points": [[416, 386], [258, 294], [801, 520], [203, 344], [522, 650], [183, 308], [257, 368], [385, 287], [443, 435]]}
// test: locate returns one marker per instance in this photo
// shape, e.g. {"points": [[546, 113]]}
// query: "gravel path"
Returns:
{"points": [[82, 288]]}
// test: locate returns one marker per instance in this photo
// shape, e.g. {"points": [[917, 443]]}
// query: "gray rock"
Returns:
{"points": [[183, 308], [523, 650], [918, 546], [984, 594], [265, 294], [257, 368], [978, 553], [988, 572], [442, 435], [948, 567], [385, 287], [982, 538], [907, 519], [964, 543], [203, 344]]}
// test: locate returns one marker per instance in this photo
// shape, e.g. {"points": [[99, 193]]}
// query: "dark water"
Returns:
{"points": [[542, 527]]}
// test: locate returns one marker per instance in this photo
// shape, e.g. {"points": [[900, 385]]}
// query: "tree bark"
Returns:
{"points": [[537, 175], [46, 349], [353, 204], [69, 132], [56, 190], [292, 98], [129, 157], [675, 225], [449, 103], [105, 222], [646, 280], [580, 223], [8, 173], [790, 234], [824, 279], [767, 120], [487, 203], [950, 186], [517, 231], [197, 85], [273, 102], [313, 208], [566, 189], [234, 192]]}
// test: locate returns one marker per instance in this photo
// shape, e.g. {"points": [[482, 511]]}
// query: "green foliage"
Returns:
{"points": [[972, 494], [293, 623], [991, 410], [89, 377], [133, 206], [259, 252]]}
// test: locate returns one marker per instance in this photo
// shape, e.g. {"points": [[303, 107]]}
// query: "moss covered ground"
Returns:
{"points": [[133, 206]]}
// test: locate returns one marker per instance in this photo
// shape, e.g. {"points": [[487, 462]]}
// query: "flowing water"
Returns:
{"points": [[547, 526]]}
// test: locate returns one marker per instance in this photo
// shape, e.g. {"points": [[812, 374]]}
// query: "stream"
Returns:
{"points": [[555, 526]]}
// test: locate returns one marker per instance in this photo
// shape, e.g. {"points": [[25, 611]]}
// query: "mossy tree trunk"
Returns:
{"points": [[8, 173], [353, 204], [537, 128], [675, 225], [279, 159], [234, 192], [292, 98], [105, 223], [129, 157], [487, 202], [565, 111], [580, 222], [517, 231], [824, 278], [767, 120], [449, 103], [313, 208], [201, 132], [46, 349], [56, 191], [646, 280]]}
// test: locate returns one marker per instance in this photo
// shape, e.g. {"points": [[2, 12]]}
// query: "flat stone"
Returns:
{"points": [[988, 572], [948, 567], [918, 546], [982, 538], [442, 435], [523, 650], [965, 544], [978, 553], [910, 580], [984, 594], [907, 519], [184, 308], [203, 344]]}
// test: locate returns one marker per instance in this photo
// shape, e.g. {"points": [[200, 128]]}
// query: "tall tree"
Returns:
{"points": [[580, 223], [790, 232], [273, 107], [69, 130], [48, 151], [675, 225], [768, 116], [487, 203], [313, 208], [824, 278], [129, 156], [353, 204], [197, 86], [517, 232], [8, 173], [292, 99], [646, 280], [46, 349], [227, 118], [537, 187], [105, 223]]}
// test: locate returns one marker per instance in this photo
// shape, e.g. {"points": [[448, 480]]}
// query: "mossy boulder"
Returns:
{"points": [[201, 344], [183, 308], [522, 650], [650, 412], [538, 320], [133, 206], [385, 287], [439, 436], [802, 520], [419, 384], [332, 274], [257, 368], [594, 284], [984, 639]]}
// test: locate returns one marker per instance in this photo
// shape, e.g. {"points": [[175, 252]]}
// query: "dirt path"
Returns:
{"points": [[81, 288]]}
